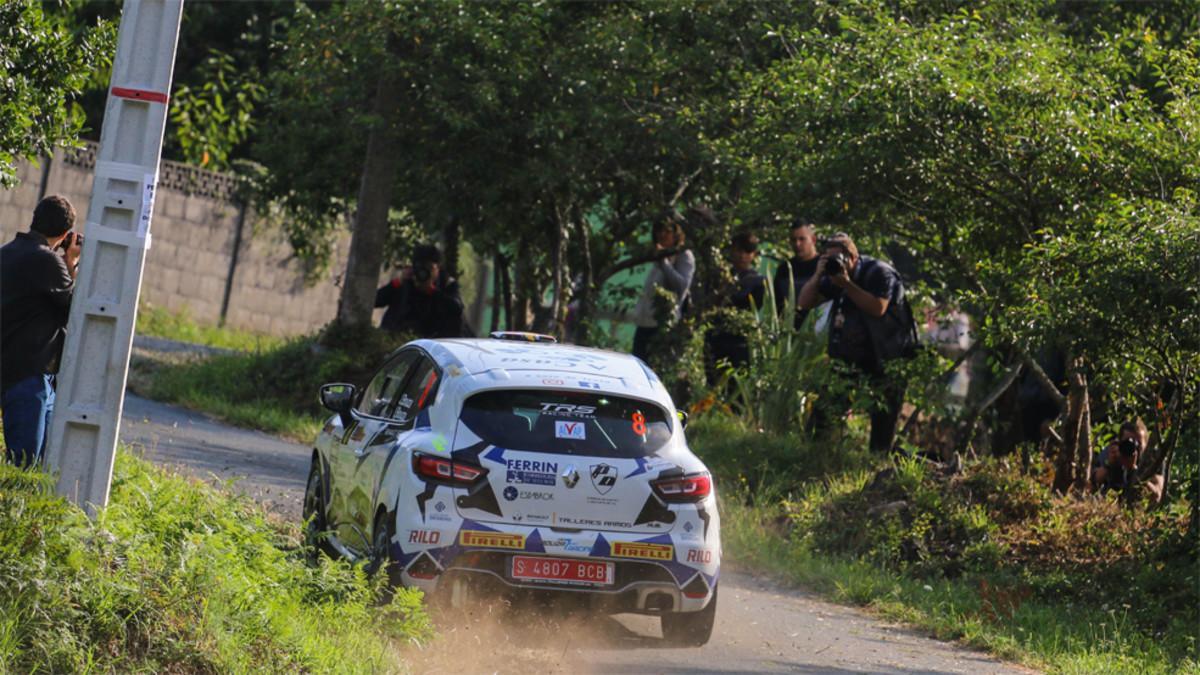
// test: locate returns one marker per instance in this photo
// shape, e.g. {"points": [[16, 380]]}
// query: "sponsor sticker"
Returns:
{"points": [[530, 472], [512, 494], [572, 430], [604, 477], [697, 555], [491, 539], [622, 549], [568, 409], [427, 537]]}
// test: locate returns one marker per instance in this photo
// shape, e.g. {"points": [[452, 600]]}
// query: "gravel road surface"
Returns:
{"points": [[761, 627]]}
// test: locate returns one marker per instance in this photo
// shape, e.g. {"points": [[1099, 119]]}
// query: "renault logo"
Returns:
{"points": [[570, 476]]}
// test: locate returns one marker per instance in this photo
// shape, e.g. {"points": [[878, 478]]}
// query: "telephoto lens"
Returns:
{"points": [[835, 265]]}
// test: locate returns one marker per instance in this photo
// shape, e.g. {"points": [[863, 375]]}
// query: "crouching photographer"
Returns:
{"points": [[1116, 466], [870, 324]]}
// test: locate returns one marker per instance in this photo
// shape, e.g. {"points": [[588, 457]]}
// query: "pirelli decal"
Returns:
{"points": [[621, 549], [492, 539]]}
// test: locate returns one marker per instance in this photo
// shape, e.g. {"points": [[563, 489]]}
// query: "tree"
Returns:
{"points": [[978, 139], [44, 69]]}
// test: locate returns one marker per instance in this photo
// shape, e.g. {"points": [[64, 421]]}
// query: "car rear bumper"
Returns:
{"points": [[640, 587]]}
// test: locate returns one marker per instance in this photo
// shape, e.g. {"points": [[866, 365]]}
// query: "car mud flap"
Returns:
{"points": [[481, 497], [655, 511]]}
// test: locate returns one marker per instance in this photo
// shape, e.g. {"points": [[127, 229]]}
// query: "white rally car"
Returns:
{"points": [[490, 465]]}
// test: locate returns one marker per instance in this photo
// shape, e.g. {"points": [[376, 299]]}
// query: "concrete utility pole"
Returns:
{"points": [[91, 383]]}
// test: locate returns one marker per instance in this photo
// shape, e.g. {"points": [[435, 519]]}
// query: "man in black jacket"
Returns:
{"points": [[37, 278], [869, 323], [792, 274], [422, 300]]}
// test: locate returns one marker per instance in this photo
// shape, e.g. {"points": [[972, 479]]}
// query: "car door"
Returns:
{"points": [[391, 439], [370, 416]]}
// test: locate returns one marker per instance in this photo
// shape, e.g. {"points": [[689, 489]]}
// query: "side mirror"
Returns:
{"points": [[683, 418], [339, 398]]}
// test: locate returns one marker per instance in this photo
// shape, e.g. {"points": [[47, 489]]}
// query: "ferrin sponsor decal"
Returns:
{"points": [[492, 539], [622, 549]]}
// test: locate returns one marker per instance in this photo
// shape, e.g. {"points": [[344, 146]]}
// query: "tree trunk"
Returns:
{"points": [[1083, 439], [497, 267], [1069, 470], [506, 293], [369, 233], [583, 314], [522, 280], [451, 233]]}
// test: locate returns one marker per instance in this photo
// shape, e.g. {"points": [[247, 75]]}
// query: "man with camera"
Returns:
{"points": [[870, 323], [1115, 467], [37, 279], [423, 300]]}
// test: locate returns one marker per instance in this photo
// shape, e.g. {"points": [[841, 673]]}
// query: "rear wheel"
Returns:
{"points": [[381, 544], [316, 527], [690, 629]]}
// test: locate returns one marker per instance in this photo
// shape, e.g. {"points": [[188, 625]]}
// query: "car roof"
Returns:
{"points": [[577, 367]]}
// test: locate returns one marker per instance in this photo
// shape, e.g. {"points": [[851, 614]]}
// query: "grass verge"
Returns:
{"points": [[180, 326], [175, 576], [274, 390], [987, 557]]}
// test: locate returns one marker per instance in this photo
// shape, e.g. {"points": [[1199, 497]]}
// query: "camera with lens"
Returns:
{"points": [[423, 272], [1128, 448], [836, 264], [70, 240]]}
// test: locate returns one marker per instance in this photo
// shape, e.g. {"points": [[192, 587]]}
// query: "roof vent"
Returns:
{"points": [[521, 336]]}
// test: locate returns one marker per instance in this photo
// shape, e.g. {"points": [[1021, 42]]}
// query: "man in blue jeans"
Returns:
{"points": [[37, 278]]}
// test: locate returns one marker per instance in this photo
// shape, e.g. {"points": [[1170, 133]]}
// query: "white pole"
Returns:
{"points": [[91, 381]]}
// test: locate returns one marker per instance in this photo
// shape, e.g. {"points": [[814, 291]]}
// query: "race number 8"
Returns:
{"points": [[639, 424]]}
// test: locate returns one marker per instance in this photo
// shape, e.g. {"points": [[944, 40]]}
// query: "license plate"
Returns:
{"points": [[527, 568]]}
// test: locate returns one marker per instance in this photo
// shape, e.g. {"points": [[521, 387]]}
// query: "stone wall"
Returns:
{"points": [[195, 230]]}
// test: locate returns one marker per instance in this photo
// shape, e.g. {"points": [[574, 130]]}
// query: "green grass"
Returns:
{"points": [[273, 390], [1066, 591], [175, 576], [180, 326]]}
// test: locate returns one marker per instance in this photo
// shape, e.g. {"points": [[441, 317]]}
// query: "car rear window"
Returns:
{"points": [[567, 422]]}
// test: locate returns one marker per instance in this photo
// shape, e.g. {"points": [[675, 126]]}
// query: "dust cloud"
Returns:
{"points": [[500, 636]]}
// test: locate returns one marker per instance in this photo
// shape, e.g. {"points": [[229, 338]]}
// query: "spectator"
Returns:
{"points": [[37, 278], [1116, 466], [673, 272], [792, 274], [870, 324], [747, 293], [423, 300]]}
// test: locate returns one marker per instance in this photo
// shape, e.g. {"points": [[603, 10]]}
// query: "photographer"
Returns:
{"points": [[673, 272], [37, 278], [423, 300], [726, 347], [870, 323], [1115, 467]]}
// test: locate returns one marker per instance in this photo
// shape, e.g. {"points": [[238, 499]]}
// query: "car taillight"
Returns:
{"points": [[686, 489], [445, 470]]}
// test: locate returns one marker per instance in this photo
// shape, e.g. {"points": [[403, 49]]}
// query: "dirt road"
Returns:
{"points": [[761, 627]]}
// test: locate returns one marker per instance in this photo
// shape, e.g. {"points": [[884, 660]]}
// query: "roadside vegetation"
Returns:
{"points": [[271, 389], [180, 326], [987, 556], [176, 576]]}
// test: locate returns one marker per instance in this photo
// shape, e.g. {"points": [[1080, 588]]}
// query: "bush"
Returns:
{"points": [[175, 576]]}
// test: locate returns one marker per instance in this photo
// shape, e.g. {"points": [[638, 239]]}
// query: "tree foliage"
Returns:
{"points": [[44, 68]]}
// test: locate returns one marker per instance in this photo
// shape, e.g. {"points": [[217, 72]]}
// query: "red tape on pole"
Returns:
{"points": [[140, 94]]}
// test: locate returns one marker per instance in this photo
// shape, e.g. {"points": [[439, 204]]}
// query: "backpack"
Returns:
{"points": [[894, 335]]}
